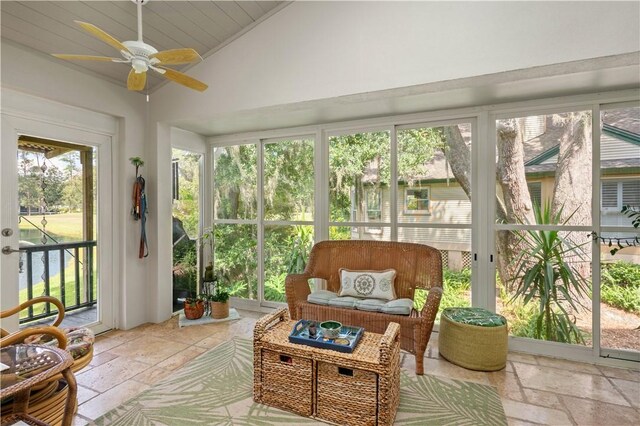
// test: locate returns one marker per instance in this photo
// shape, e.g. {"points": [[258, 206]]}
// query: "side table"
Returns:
{"points": [[29, 365]]}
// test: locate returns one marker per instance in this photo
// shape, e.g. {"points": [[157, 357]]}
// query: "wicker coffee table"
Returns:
{"points": [[359, 388], [30, 365]]}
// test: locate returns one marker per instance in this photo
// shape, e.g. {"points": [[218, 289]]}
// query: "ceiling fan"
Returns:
{"points": [[142, 57]]}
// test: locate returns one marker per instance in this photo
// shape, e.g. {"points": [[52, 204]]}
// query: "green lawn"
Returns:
{"points": [[67, 225], [54, 288]]}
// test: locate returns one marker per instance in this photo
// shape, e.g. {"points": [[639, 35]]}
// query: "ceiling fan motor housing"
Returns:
{"points": [[140, 52]]}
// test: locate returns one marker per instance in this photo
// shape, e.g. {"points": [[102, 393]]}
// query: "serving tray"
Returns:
{"points": [[346, 341]]}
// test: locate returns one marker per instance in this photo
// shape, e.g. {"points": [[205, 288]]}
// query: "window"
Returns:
{"points": [[616, 194], [535, 191], [416, 200], [373, 199]]}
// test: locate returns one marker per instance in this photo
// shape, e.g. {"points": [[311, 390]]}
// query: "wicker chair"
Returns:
{"points": [[417, 266], [46, 401]]}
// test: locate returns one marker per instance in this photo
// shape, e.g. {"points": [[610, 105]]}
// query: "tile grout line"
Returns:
{"points": [[624, 396]]}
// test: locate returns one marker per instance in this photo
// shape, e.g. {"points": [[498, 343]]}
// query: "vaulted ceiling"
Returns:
{"points": [[48, 27]]}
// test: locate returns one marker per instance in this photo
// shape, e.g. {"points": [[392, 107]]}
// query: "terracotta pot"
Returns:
{"points": [[219, 310], [193, 311]]}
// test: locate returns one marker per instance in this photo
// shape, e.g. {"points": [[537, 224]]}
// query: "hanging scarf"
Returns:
{"points": [[139, 212]]}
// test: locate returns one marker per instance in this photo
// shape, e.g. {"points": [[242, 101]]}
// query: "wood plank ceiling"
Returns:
{"points": [[48, 27]]}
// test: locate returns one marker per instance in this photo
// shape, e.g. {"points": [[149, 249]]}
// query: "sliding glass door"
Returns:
{"points": [[565, 268], [287, 211], [619, 289], [260, 236], [411, 183], [235, 220]]}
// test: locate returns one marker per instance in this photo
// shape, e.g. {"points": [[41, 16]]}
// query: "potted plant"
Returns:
{"points": [[194, 307], [219, 301]]}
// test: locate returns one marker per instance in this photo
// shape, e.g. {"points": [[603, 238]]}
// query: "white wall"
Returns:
{"points": [[34, 74], [318, 50]]}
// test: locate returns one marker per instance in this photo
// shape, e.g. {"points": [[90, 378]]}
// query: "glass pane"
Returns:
{"points": [[552, 150], [236, 258], [359, 177], [620, 301], [288, 180], [434, 174], [235, 182], [620, 270], [186, 217], [619, 163], [378, 233], [537, 303], [57, 193], [286, 250], [455, 248]]}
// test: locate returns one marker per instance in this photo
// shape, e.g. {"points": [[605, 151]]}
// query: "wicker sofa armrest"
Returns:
{"points": [[19, 336], [31, 302], [431, 305], [297, 290]]}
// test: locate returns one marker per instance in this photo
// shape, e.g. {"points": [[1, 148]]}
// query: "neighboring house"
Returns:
{"points": [[437, 197]]}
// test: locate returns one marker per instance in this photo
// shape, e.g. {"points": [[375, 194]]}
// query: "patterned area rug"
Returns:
{"points": [[215, 389]]}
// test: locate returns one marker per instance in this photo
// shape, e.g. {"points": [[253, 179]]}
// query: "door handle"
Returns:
{"points": [[9, 250]]}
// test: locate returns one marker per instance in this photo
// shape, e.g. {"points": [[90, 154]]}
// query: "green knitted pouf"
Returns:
{"points": [[473, 338]]}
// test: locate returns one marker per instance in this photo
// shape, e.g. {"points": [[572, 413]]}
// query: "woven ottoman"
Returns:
{"points": [[473, 338]]}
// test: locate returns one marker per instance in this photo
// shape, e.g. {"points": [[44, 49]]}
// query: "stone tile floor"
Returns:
{"points": [[534, 390]]}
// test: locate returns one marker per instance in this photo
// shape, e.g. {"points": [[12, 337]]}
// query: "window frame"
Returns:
{"points": [[620, 202], [422, 212]]}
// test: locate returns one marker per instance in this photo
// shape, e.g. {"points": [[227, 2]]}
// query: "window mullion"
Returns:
{"points": [[393, 185], [260, 214]]}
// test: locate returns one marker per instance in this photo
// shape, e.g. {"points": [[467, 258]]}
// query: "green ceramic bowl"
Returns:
{"points": [[330, 329]]}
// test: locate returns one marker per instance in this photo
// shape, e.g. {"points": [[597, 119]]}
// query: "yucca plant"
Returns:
{"points": [[545, 274]]}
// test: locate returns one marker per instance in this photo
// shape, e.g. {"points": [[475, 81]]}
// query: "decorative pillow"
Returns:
{"points": [[369, 284], [371, 305], [79, 340], [343, 302], [321, 297], [398, 307]]}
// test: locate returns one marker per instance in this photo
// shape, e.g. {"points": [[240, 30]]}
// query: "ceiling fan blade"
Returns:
{"points": [[136, 81], [177, 56], [97, 32], [85, 58], [183, 79]]}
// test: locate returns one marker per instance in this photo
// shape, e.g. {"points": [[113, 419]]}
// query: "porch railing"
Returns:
{"points": [[82, 272]]}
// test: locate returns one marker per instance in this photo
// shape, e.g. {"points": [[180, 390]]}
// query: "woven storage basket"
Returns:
{"points": [[473, 347], [219, 310], [287, 382], [346, 396]]}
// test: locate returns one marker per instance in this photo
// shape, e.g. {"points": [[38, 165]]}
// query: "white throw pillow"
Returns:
{"points": [[368, 284]]}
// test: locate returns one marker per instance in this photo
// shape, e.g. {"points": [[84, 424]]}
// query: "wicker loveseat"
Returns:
{"points": [[417, 266]]}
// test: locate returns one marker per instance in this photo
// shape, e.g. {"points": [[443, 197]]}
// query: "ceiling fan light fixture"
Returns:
{"points": [[139, 65]]}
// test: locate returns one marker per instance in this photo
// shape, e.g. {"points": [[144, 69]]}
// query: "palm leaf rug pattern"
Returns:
{"points": [[216, 389]]}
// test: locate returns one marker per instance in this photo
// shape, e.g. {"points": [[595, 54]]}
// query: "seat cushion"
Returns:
{"points": [[321, 297], [398, 307], [347, 302], [475, 316], [79, 340], [368, 284], [371, 305]]}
